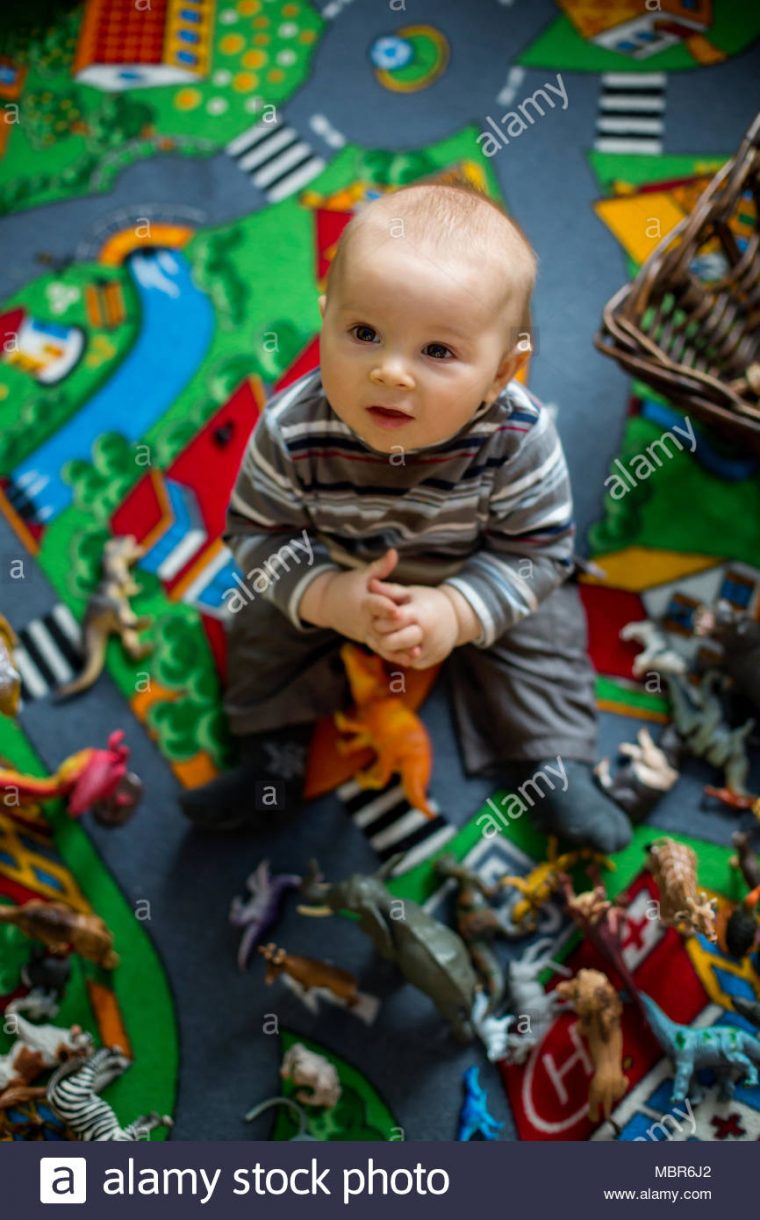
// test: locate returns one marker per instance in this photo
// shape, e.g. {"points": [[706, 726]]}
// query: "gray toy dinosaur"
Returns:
{"points": [[702, 728], [721, 1047], [431, 956]]}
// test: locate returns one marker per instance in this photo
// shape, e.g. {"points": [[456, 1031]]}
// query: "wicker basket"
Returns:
{"points": [[689, 324]]}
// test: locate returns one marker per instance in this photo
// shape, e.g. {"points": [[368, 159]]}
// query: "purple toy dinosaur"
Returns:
{"points": [[261, 911]]}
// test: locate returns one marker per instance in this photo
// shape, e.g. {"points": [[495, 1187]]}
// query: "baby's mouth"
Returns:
{"points": [[387, 417]]}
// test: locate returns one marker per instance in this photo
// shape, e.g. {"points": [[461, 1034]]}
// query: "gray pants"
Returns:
{"points": [[527, 697]]}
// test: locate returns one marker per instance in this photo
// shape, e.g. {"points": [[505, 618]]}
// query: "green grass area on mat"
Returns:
{"points": [[31, 411], [74, 139], [139, 981], [734, 26], [658, 511], [361, 1114], [610, 168], [634, 696]]}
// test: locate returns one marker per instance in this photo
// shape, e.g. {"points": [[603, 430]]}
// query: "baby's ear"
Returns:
{"points": [[322, 302], [509, 368]]}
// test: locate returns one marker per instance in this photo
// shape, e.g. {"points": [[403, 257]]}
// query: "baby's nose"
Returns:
{"points": [[391, 372]]}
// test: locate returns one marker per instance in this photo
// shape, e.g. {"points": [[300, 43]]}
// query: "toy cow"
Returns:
{"points": [[36, 1049], [310, 973], [674, 868]]}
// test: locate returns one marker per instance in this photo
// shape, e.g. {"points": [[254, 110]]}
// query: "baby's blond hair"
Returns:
{"points": [[439, 213]]}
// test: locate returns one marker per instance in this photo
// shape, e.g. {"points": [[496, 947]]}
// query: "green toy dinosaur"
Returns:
{"points": [[721, 1047]]}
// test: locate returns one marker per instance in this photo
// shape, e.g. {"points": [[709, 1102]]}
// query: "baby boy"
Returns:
{"points": [[412, 496]]}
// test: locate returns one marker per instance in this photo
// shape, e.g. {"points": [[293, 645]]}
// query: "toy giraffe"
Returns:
{"points": [[674, 868]]}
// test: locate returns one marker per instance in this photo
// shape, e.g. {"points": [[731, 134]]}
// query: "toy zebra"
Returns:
{"points": [[73, 1097]]}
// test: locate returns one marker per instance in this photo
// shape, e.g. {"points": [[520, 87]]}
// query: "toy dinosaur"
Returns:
{"points": [[310, 973], [260, 912], [543, 881], [10, 681], [37, 1048], [674, 868], [430, 955], [474, 1116], [384, 722], [598, 1006], [699, 726], [477, 923], [90, 779], [109, 613], [721, 1047], [58, 926]]}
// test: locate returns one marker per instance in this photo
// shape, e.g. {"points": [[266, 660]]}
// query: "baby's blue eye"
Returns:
{"points": [[365, 334], [433, 349]]}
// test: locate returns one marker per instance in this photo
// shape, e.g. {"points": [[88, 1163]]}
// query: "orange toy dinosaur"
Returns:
{"points": [[384, 722]]}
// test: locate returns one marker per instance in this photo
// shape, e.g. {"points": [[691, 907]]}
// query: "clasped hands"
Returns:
{"points": [[410, 625]]}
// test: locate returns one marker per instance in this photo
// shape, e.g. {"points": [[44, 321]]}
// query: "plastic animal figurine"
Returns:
{"points": [[317, 1077], [109, 613], [474, 1116], [749, 1009], [477, 923], [642, 780], [47, 975], [430, 956], [721, 1047], [383, 722], [310, 973], [544, 881], [737, 933], [529, 1001], [90, 779], [657, 655], [259, 913], [599, 1009], [493, 1031], [10, 680], [72, 1095], [37, 1049], [739, 640], [700, 727], [58, 926], [601, 922], [674, 868]]}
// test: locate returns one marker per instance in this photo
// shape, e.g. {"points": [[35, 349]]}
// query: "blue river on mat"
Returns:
{"points": [[177, 323]]}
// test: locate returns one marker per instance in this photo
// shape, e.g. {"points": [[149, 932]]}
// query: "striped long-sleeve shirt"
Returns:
{"points": [[488, 511]]}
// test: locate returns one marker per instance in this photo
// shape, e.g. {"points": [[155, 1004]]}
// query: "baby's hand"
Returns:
{"points": [[421, 631]]}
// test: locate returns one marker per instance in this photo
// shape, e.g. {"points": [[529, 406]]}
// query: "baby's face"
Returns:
{"points": [[414, 333]]}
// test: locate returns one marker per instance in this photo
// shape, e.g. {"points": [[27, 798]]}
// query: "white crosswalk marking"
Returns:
{"points": [[631, 117], [49, 652], [278, 161]]}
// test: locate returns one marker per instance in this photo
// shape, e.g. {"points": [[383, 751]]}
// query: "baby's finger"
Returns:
{"points": [[382, 607], [406, 638], [399, 593]]}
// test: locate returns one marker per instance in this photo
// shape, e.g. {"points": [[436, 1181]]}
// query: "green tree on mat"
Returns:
{"points": [[99, 486]]}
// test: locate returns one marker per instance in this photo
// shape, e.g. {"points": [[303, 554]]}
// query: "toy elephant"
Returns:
{"points": [[430, 956]]}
